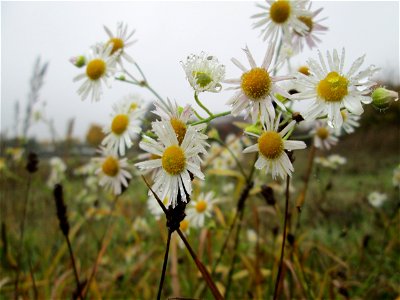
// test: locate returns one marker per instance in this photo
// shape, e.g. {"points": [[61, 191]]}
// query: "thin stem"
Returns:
{"points": [[71, 254], [21, 236], [164, 268], [283, 239], [101, 251], [197, 115], [302, 196], [196, 97], [212, 118], [140, 71]]}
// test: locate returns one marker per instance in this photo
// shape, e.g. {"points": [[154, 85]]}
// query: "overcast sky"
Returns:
{"points": [[166, 32]]}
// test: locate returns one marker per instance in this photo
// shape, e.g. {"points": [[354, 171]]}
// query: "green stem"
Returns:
{"points": [[212, 118], [196, 97]]}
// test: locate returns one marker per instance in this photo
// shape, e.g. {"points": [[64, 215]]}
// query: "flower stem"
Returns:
{"points": [[71, 254], [283, 239], [300, 200], [207, 120], [164, 268], [196, 97]]}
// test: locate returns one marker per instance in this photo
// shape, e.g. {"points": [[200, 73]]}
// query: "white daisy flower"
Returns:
{"points": [[200, 208], [350, 122], [376, 199], [124, 125], [179, 118], [331, 88], [99, 67], [175, 162], [204, 72], [309, 36], [271, 146], [184, 226], [112, 171], [324, 137], [120, 41], [281, 16], [57, 173], [257, 88]]}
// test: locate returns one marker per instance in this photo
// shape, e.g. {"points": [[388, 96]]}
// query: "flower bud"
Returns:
{"points": [[382, 98], [78, 61]]}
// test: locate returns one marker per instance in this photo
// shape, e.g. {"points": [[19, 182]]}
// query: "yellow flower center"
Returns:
{"points": [[304, 70], [280, 11], [256, 84], [333, 87], [117, 44], [322, 133], [270, 144], [201, 206], [308, 22], [133, 106], [184, 225], [119, 124], [179, 128], [110, 166], [344, 115], [95, 69], [173, 160]]}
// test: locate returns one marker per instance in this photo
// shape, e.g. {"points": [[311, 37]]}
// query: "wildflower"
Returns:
{"points": [[57, 173], [331, 88], [184, 226], [308, 36], [112, 171], [100, 66], [324, 136], [376, 199], [204, 72], [382, 98], [78, 61], [175, 161], [124, 125], [281, 16], [332, 161], [350, 121], [200, 208], [257, 89], [120, 41], [396, 177], [271, 146]]}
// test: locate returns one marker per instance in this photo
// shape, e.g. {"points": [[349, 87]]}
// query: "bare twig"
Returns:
{"points": [[164, 267]]}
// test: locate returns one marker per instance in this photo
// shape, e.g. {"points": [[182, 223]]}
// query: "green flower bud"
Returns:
{"points": [[382, 98], [255, 128], [78, 61]]}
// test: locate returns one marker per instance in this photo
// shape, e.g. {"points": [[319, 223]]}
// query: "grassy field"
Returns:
{"points": [[339, 247]]}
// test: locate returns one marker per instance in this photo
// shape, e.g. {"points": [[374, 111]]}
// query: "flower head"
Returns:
{"points": [[376, 199], [281, 16], [331, 88], [271, 146], [200, 208], [382, 98], [120, 41], [204, 72], [350, 122], [112, 171], [124, 125], [257, 88], [175, 163], [324, 137], [100, 66]]}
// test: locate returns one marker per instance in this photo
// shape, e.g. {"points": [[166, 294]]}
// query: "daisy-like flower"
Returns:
{"points": [[57, 173], [179, 118], [204, 72], [99, 67], [175, 161], [331, 88], [309, 36], [271, 146], [112, 171], [257, 88], [120, 41], [350, 122], [124, 125], [281, 16], [376, 199], [200, 208], [324, 137]]}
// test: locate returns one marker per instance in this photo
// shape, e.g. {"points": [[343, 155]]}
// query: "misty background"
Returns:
{"points": [[166, 32]]}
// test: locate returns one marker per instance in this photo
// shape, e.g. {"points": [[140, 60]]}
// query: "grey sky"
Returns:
{"points": [[166, 32]]}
